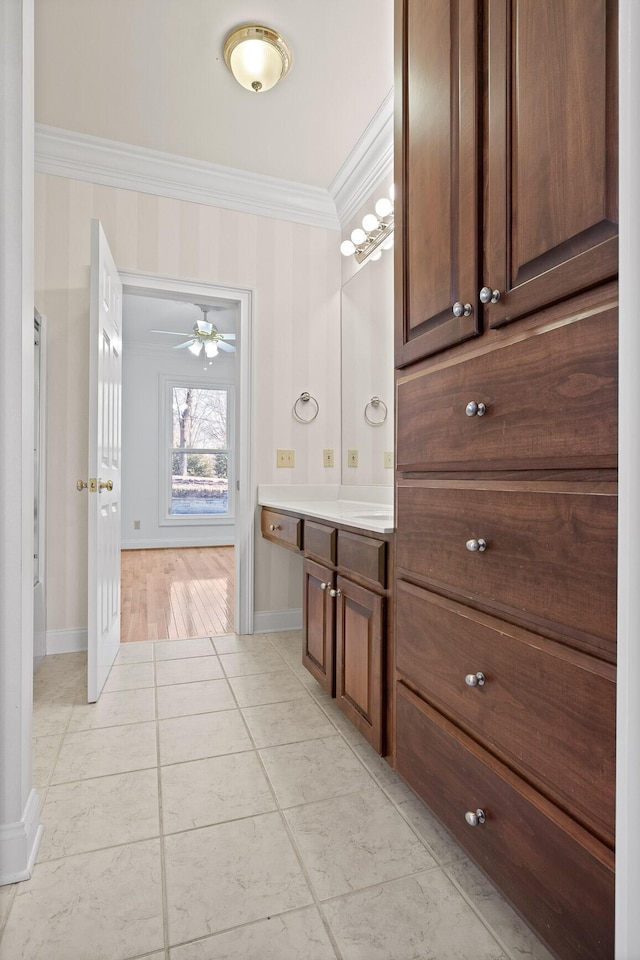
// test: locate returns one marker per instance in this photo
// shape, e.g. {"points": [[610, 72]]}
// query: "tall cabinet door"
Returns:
{"points": [[551, 154], [319, 624], [436, 167]]}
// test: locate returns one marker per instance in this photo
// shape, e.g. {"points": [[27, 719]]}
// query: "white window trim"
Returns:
{"points": [[166, 385]]}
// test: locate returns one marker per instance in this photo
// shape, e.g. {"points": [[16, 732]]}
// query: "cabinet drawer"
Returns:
{"points": [[282, 529], [550, 557], [547, 710], [363, 556], [551, 402], [557, 875], [320, 541]]}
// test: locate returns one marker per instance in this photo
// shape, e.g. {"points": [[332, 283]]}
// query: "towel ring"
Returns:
{"points": [[305, 398], [375, 402]]}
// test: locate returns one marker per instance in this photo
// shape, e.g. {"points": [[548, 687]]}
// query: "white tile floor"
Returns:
{"points": [[216, 805]]}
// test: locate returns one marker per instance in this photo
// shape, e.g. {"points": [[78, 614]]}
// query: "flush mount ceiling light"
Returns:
{"points": [[257, 57]]}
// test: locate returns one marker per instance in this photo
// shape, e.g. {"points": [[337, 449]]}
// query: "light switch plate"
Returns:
{"points": [[327, 458], [285, 458], [388, 459], [352, 458]]}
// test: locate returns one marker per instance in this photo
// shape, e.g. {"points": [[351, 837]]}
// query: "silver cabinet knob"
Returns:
{"points": [[476, 546], [273, 527], [335, 593], [323, 585], [473, 819], [462, 309], [475, 679], [474, 409], [487, 295]]}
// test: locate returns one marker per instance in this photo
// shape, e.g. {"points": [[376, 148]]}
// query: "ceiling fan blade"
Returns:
{"points": [[171, 333], [226, 346], [227, 336], [204, 326], [187, 343]]}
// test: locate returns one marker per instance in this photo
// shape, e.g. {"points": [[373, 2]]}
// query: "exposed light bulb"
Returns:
{"points": [[392, 191], [211, 348], [388, 243], [358, 236], [347, 248], [195, 348], [384, 207], [370, 222], [376, 255]]}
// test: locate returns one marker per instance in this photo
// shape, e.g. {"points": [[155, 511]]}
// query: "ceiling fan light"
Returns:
{"points": [[211, 348], [195, 349], [257, 56]]}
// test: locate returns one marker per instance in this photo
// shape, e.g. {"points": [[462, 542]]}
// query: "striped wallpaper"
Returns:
{"points": [[295, 271]]}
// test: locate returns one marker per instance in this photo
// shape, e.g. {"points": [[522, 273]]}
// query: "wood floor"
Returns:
{"points": [[177, 593]]}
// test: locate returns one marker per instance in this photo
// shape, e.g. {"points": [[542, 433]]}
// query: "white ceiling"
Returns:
{"points": [[152, 73], [141, 315]]}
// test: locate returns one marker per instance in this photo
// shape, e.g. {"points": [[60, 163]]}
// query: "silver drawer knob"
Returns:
{"points": [[462, 309], [487, 295], [476, 546], [335, 593], [475, 679], [474, 409], [273, 527], [473, 819]]}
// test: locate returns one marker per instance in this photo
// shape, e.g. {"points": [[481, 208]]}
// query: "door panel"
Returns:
{"points": [[319, 635], [551, 183], [105, 386]]}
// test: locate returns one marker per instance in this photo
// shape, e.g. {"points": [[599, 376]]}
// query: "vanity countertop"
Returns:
{"points": [[376, 517]]}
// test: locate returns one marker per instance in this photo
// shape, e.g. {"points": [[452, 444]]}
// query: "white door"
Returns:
{"points": [[105, 386]]}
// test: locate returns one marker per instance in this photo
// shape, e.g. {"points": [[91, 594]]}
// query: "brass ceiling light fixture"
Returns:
{"points": [[257, 56]]}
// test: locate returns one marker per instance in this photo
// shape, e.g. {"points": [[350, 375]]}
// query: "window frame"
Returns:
{"points": [[166, 450]]}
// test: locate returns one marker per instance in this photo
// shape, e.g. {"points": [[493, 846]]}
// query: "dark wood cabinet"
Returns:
{"points": [[551, 207], [437, 182], [319, 625], [506, 484], [360, 667], [347, 636]]}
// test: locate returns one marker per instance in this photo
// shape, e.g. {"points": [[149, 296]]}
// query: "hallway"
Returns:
{"points": [[215, 805], [177, 592]]}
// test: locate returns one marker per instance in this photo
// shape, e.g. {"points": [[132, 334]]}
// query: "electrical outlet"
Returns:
{"points": [[388, 459], [352, 458], [136, 524], [286, 458], [327, 458]]}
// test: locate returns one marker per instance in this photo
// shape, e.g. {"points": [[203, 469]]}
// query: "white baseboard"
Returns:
{"points": [[19, 842], [209, 541], [66, 641], [271, 621]]}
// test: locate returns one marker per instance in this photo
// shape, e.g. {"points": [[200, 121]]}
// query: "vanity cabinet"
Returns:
{"points": [[347, 637], [506, 485]]}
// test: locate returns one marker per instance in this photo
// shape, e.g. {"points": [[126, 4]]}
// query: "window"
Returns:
{"points": [[199, 463]]}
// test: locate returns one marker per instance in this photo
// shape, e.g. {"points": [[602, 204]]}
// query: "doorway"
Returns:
{"points": [[195, 556]]}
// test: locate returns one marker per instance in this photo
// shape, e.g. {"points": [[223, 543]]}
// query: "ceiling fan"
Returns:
{"points": [[205, 336]]}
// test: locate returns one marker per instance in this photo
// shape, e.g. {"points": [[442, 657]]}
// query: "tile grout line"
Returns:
{"points": [[163, 866]]}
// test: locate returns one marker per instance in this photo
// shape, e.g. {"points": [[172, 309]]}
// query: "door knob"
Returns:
{"points": [[91, 485], [473, 819], [81, 485], [487, 295], [462, 309], [108, 485]]}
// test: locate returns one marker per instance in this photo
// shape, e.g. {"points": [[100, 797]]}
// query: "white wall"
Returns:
{"points": [[142, 370], [295, 272]]}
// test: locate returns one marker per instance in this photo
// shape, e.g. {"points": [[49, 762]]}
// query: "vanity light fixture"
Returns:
{"points": [[257, 56], [376, 234]]}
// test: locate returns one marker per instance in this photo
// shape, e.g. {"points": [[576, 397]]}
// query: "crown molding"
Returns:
{"points": [[79, 156], [370, 160]]}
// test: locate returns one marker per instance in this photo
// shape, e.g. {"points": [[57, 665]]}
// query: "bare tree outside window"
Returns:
{"points": [[200, 451]]}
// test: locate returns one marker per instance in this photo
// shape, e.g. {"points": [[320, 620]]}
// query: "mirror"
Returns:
{"points": [[367, 372]]}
